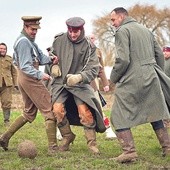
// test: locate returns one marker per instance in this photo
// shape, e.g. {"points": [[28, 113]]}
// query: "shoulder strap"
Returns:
{"points": [[16, 43], [57, 35], [34, 51]]}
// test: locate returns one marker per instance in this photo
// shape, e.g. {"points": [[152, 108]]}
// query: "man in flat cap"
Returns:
{"points": [[28, 57], [74, 102]]}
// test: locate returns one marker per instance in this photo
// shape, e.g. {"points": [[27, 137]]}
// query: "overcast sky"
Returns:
{"points": [[54, 14]]}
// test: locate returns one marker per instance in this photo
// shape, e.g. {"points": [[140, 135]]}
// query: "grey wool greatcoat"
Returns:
{"points": [[138, 94], [75, 58]]}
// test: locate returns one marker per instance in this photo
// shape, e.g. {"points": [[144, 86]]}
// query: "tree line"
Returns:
{"points": [[155, 19]]}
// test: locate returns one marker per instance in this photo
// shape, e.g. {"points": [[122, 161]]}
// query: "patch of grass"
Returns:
{"points": [[78, 157]]}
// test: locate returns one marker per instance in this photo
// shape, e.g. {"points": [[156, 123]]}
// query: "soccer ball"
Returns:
{"points": [[27, 149]]}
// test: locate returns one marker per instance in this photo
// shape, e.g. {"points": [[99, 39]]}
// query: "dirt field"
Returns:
{"points": [[17, 103]]}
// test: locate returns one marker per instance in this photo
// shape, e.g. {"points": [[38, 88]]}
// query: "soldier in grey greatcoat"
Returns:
{"points": [[139, 97], [8, 80], [73, 99]]}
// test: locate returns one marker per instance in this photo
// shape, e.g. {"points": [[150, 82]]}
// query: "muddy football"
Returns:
{"points": [[27, 149]]}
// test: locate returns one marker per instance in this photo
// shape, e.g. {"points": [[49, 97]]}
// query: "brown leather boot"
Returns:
{"points": [[51, 135], [126, 141], [15, 126], [67, 134], [164, 140], [90, 135]]}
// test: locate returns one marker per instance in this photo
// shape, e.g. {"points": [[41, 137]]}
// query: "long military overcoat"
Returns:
{"points": [[77, 58], [138, 95]]}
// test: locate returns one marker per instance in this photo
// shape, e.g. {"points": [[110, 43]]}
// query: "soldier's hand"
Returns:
{"points": [[46, 77], [73, 79], [54, 58], [106, 88]]}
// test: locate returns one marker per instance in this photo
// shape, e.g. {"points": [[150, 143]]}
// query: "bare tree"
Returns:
{"points": [[157, 20], [105, 34]]}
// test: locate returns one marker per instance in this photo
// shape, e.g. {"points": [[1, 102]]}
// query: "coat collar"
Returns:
{"points": [[126, 21]]}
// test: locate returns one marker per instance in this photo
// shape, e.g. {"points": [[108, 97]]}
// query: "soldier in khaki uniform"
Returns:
{"points": [[105, 83], [8, 79], [28, 57]]}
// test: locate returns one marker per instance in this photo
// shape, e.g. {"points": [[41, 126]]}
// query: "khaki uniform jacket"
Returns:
{"points": [[101, 75], [8, 71], [138, 95]]}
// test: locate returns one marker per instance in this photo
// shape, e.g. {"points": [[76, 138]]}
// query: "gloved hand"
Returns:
{"points": [[55, 70], [73, 79]]}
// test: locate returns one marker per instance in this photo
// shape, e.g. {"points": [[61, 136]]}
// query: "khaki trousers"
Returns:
{"points": [[35, 96]]}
